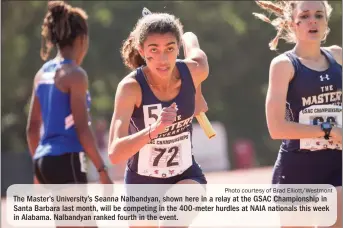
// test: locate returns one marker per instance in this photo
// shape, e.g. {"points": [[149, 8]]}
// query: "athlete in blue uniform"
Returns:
{"points": [[60, 102], [304, 99]]}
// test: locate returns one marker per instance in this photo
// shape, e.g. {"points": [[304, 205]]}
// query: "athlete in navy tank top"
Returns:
{"points": [[152, 122], [304, 98], [171, 152], [61, 101], [314, 102]]}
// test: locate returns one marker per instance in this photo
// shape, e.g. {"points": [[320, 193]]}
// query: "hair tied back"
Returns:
{"points": [[146, 12]]}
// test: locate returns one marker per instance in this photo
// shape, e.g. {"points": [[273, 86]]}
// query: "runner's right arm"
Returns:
{"points": [[34, 121], [77, 87]]}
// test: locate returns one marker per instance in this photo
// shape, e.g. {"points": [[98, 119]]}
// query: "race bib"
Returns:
{"points": [[166, 157], [315, 115]]}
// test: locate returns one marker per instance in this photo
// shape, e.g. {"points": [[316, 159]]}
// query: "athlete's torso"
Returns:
{"points": [[314, 97], [59, 134], [171, 153]]}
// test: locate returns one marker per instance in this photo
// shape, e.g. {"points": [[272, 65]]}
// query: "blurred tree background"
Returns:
{"points": [[236, 44]]}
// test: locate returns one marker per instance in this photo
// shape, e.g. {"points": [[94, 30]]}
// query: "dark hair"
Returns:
{"points": [[283, 11], [160, 23], [61, 25]]}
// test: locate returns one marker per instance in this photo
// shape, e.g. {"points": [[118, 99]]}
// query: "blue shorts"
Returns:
{"points": [[308, 167], [193, 173]]}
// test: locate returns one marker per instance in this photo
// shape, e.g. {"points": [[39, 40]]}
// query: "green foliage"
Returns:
{"points": [[235, 42]]}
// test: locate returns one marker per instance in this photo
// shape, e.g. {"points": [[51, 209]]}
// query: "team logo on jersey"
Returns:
{"points": [[322, 77], [177, 127], [68, 122]]}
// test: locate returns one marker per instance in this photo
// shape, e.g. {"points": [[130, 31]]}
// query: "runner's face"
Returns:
{"points": [[160, 52], [310, 21]]}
